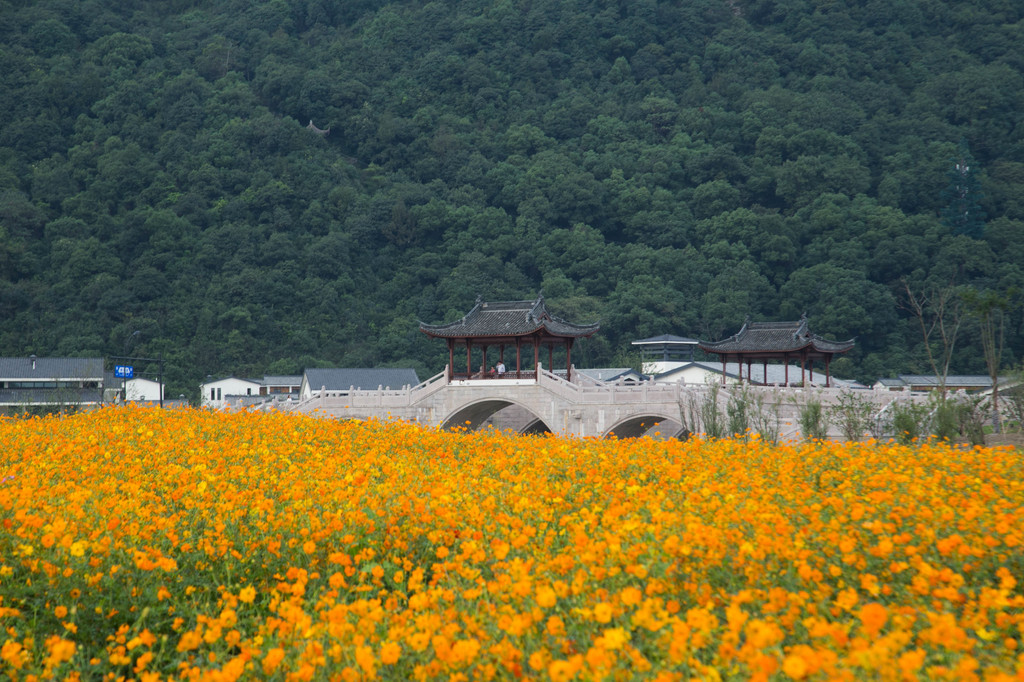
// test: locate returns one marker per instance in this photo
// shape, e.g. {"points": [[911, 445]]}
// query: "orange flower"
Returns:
{"points": [[272, 660], [561, 671], [390, 652], [873, 617], [795, 667]]}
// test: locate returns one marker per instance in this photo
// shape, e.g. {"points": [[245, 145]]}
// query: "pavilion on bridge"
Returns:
{"points": [[781, 341], [508, 324]]}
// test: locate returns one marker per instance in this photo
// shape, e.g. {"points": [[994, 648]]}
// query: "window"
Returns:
{"points": [[213, 394]]}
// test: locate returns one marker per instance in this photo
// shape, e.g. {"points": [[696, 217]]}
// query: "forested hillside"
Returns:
{"points": [[660, 166]]}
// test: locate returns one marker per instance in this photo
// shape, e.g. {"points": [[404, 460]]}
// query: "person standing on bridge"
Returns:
{"points": [[500, 368]]}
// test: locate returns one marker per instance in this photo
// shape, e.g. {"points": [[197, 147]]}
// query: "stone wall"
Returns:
{"points": [[1014, 439]]}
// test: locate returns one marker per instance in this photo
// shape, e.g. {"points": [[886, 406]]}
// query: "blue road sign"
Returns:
{"points": [[124, 371]]}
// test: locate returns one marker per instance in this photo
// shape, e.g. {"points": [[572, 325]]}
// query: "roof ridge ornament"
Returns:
{"points": [[802, 328]]}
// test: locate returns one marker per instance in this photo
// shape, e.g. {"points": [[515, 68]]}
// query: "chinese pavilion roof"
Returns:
{"points": [[509, 319], [776, 337]]}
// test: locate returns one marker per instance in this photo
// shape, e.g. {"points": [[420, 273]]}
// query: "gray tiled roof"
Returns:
{"points": [[612, 373], [51, 368], [282, 380], [335, 379], [508, 319], [775, 337], [952, 381]]}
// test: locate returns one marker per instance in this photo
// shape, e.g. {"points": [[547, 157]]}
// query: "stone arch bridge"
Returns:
{"points": [[550, 403]]}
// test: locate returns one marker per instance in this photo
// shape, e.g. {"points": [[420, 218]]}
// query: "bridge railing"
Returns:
{"points": [[629, 393], [430, 386], [378, 397], [557, 384], [487, 376]]}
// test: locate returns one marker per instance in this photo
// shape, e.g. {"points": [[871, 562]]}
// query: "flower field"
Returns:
{"points": [[177, 544]]}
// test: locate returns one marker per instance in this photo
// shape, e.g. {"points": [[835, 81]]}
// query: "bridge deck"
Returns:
{"points": [[582, 407]]}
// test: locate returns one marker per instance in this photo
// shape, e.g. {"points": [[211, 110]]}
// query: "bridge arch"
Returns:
{"points": [[653, 425], [537, 426], [472, 416]]}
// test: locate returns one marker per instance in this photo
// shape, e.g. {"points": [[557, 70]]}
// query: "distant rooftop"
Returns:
{"points": [[609, 374], [666, 347], [342, 379], [666, 339], [33, 368], [508, 319], [776, 337]]}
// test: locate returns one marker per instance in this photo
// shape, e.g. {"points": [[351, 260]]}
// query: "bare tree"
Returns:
{"points": [[939, 312], [991, 310]]}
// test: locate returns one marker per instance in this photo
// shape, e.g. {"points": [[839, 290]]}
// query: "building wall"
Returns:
{"points": [[215, 393], [142, 390]]}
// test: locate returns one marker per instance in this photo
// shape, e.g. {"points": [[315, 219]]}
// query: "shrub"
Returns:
{"points": [[812, 420], [851, 415], [909, 421]]}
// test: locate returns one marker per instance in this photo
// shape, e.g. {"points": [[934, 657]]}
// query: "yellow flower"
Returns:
{"points": [[614, 638], [546, 597], [603, 612]]}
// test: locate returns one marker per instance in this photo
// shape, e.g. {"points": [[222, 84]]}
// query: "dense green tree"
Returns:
{"points": [[963, 213], [663, 167]]}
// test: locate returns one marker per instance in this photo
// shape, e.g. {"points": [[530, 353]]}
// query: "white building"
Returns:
{"points": [[50, 382], [217, 393], [139, 389], [766, 375]]}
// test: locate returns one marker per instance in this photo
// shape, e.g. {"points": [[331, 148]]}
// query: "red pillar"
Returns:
{"points": [[828, 375], [469, 359], [725, 358], [451, 359]]}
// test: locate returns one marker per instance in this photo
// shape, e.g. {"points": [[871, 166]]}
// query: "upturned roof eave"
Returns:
{"points": [[721, 347], [437, 332]]}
